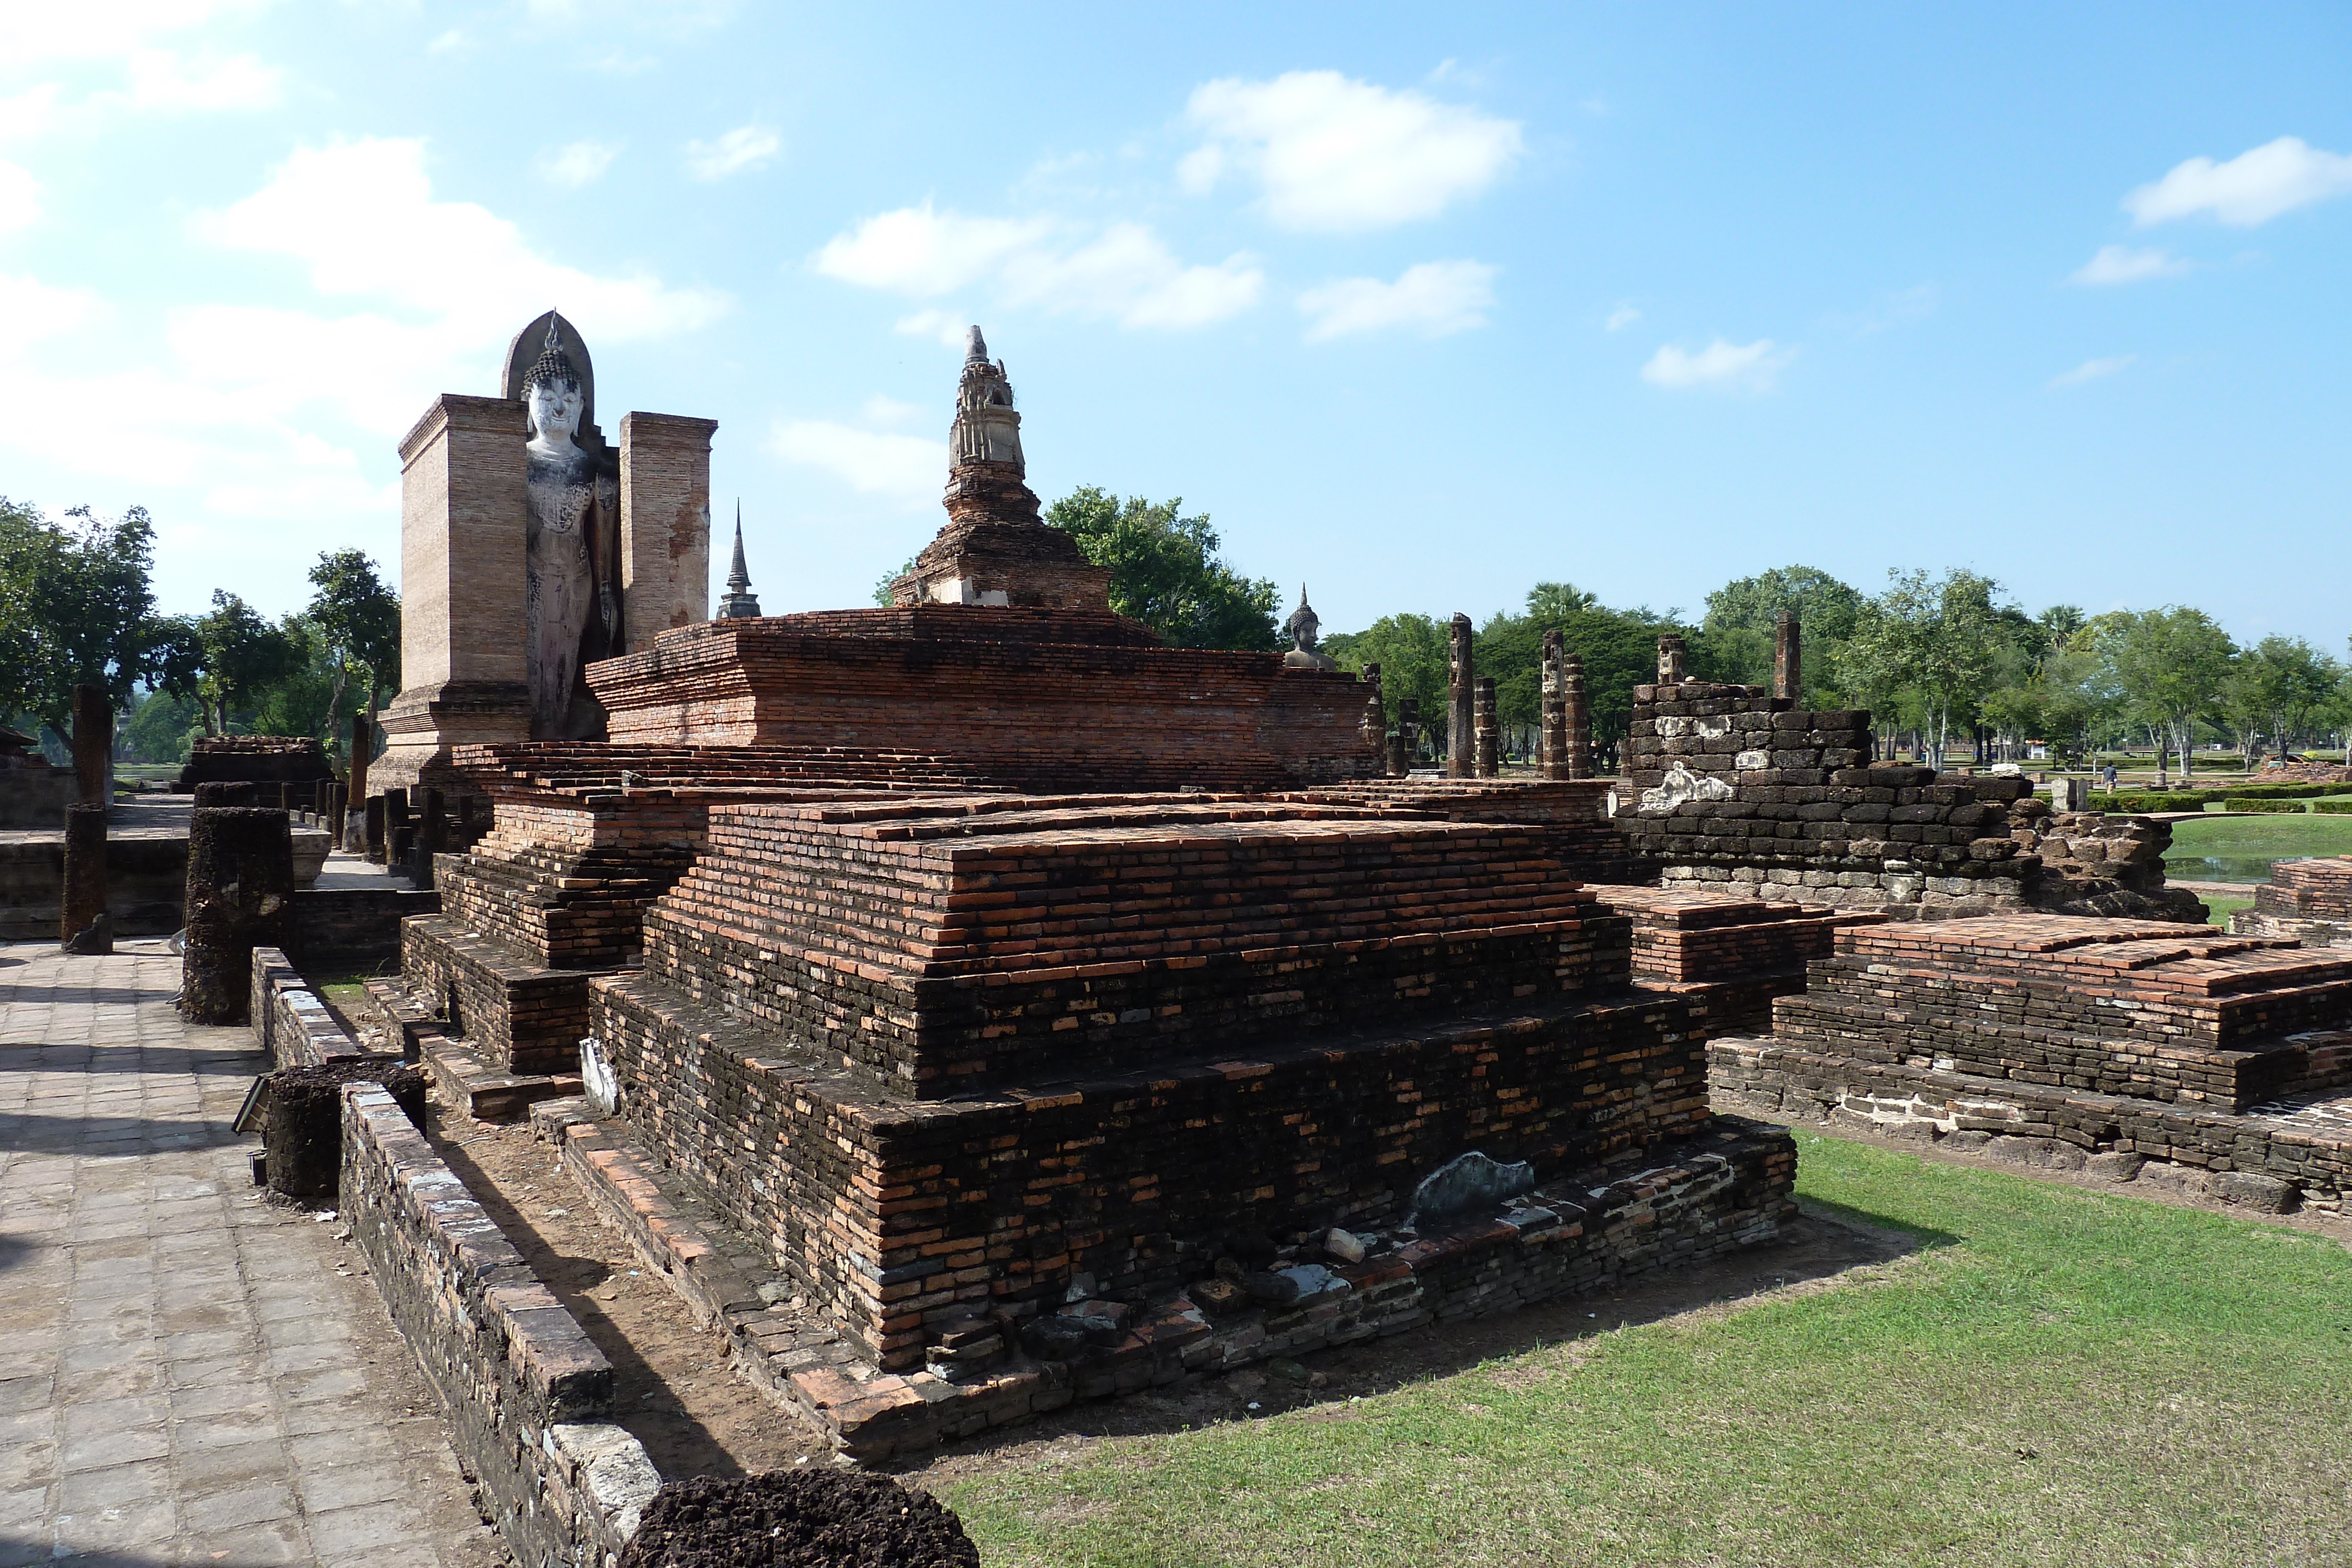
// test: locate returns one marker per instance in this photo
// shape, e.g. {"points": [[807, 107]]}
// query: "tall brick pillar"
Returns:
{"points": [[1488, 753], [462, 588], [93, 745], [664, 524], [1375, 724], [240, 896], [1788, 662], [1555, 707], [1577, 709], [1461, 714], [85, 881], [1670, 660], [355, 794]]}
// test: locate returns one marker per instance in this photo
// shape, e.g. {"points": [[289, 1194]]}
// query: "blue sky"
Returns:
{"points": [[1421, 305]]}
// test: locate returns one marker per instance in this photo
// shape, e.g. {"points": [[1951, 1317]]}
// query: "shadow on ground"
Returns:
{"points": [[1815, 1251]]}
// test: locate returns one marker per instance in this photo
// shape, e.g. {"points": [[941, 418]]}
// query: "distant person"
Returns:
{"points": [[2110, 777]]}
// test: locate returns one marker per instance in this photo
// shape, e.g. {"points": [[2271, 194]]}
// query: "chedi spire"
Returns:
{"points": [[739, 601], [996, 550]]}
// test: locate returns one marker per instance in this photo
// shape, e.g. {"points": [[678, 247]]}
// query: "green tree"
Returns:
{"points": [[160, 729], [1935, 642], [1165, 570], [356, 620], [2171, 666], [225, 659], [1738, 627], [2279, 686], [75, 607], [1411, 651]]}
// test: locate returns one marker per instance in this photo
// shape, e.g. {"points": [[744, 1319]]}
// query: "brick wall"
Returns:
{"points": [[2137, 1008], [898, 1215], [528, 1396], [289, 1023], [520, 1018], [946, 947], [1037, 699]]}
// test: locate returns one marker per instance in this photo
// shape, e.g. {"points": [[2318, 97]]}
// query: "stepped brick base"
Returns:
{"points": [[1676, 1205], [901, 1216], [1039, 699], [1737, 952], [2143, 1008], [519, 1017], [2309, 901], [2302, 1142]]}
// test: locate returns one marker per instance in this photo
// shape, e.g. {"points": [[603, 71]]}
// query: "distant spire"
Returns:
{"points": [[739, 602], [975, 347]]}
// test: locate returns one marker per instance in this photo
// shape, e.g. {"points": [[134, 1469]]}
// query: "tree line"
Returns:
{"points": [[78, 607], [1934, 658]]}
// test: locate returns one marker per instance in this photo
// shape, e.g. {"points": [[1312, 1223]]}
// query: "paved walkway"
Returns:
{"points": [[189, 1373]]}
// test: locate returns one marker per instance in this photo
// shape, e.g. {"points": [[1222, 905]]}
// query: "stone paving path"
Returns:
{"points": [[189, 1373]]}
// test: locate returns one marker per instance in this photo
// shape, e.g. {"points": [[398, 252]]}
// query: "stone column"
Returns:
{"points": [[373, 842], [462, 586], [85, 889], [398, 829], [240, 896], [1488, 754], [1577, 713], [432, 836], [1375, 724], [1555, 707], [1461, 717], [93, 745], [354, 840], [1408, 732], [664, 524], [1788, 664], [1670, 660]]}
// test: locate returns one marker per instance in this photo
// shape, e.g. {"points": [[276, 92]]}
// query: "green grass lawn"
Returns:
{"points": [[2242, 849], [2058, 1376]]}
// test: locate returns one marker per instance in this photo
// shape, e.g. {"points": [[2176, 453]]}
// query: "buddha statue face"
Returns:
{"points": [[555, 407]]}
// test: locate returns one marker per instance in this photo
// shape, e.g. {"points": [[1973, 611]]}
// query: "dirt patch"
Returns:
{"points": [[802, 1518], [1818, 1251], [672, 1386]]}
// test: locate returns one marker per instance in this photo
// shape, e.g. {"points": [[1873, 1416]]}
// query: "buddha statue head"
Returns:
{"points": [[1303, 623], [550, 391]]}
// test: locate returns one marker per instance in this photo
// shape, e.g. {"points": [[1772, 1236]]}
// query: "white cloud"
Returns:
{"points": [[2092, 369], [1433, 299], [31, 30], [1624, 316], [881, 410], [361, 216], [745, 147], [1130, 275], [1336, 154], [20, 199], [947, 325], [2123, 264], [1126, 272], [162, 80], [577, 163], [918, 251], [1739, 367], [905, 468], [2252, 188]]}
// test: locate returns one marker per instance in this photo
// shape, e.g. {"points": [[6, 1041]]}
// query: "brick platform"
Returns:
{"points": [[1676, 1206], [1041, 700], [1737, 952], [1729, 784], [2310, 901], [953, 946], [2113, 1036]]}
